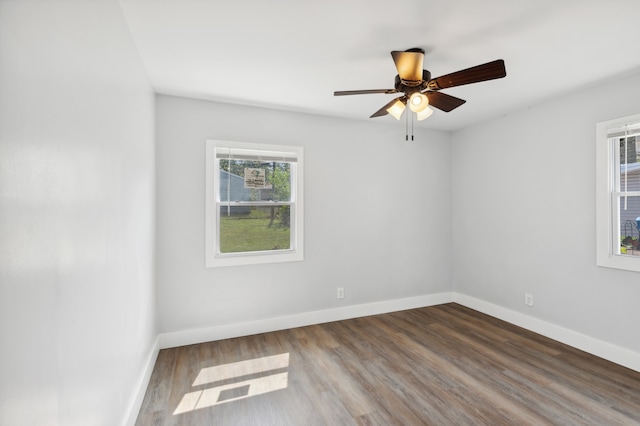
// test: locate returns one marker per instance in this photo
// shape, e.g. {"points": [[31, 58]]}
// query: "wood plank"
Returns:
{"points": [[444, 364]]}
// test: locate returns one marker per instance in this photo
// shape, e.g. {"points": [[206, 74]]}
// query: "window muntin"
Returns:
{"points": [[254, 209], [618, 193]]}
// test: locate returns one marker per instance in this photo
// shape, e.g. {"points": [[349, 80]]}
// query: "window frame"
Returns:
{"points": [[607, 199], [213, 256]]}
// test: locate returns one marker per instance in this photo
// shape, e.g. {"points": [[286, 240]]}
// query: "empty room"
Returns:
{"points": [[319, 213]]}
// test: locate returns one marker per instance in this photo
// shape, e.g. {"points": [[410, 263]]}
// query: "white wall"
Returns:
{"points": [[377, 216], [77, 316], [524, 215]]}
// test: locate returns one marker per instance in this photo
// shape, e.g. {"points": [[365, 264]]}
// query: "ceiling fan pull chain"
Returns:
{"points": [[411, 126], [406, 126]]}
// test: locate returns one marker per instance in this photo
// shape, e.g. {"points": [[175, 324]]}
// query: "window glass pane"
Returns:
{"points": [[629, 221], [247, 229], [628, 178], [243, 180]]}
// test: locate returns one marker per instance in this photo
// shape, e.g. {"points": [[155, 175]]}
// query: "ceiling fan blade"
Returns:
{"points": [[443, 101], [363, 92], [409, 64], [484, 72], [383, 111]]}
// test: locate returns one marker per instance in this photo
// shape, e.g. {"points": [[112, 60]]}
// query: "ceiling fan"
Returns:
{"points": [[420, 90]]}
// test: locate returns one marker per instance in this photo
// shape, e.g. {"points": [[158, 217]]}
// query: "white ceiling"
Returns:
{"points": [[293, 54]]}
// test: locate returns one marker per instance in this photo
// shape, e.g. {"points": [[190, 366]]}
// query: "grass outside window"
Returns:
{"points": [[263, 229]]}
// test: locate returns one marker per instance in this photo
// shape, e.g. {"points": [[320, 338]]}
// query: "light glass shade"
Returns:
{"points": [[424, 114], [418, 102], [396, 109]]}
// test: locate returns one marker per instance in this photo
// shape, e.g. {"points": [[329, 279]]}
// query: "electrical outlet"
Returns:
{"points": [[340, 292], [528, 299]]}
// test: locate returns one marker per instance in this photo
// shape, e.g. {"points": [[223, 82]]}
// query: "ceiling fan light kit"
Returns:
{"points": [[396, 109], [420, 90], [418, 102], [424, 114]]}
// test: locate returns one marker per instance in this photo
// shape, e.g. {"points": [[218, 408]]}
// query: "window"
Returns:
{"points": [[618, 193], [254, 209]]}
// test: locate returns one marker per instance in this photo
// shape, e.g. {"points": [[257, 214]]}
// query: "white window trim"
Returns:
{"points": [[212, 257], [605, 250]]}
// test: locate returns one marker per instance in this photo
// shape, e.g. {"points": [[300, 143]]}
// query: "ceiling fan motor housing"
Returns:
{"points": [[402, 86]]}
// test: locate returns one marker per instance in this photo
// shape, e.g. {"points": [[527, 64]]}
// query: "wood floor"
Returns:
{"points": [[441, 365]]}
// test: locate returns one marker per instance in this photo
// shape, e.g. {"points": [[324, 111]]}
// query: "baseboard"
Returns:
{"points": [[608, 351], [200, 335], [143, 383]]}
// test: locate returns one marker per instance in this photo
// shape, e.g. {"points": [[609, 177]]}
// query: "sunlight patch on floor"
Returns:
{"points": [[242, 387]]}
